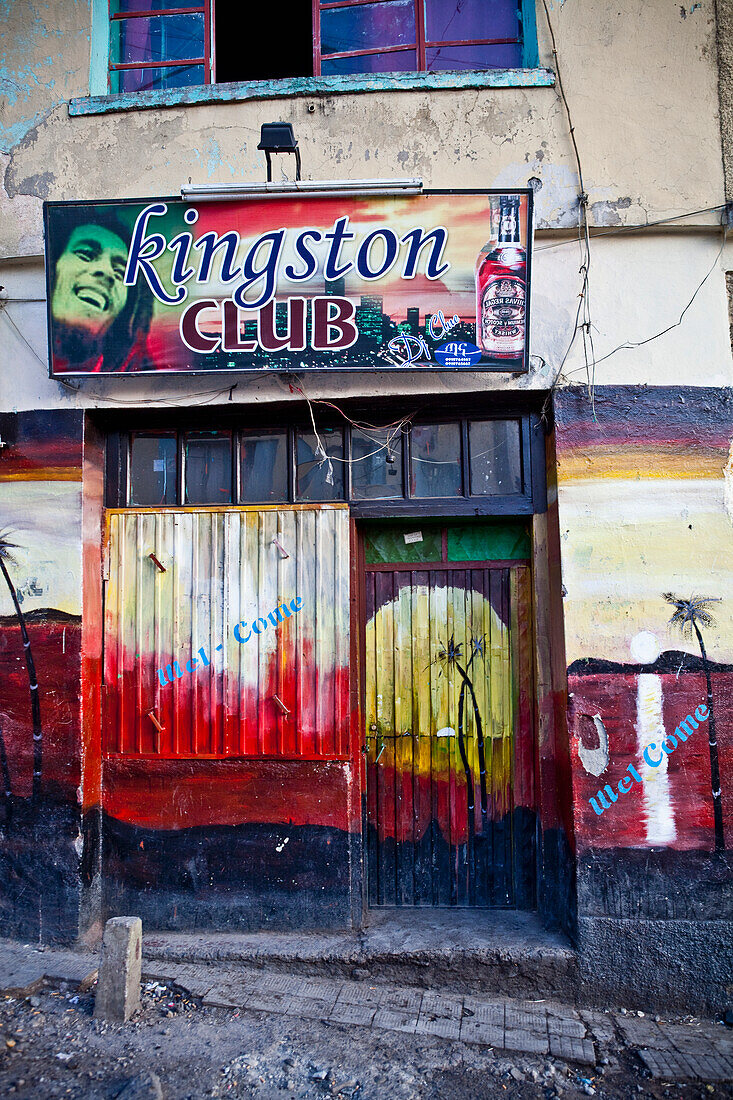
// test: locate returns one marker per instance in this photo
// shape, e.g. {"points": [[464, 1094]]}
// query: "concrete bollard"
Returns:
{"points": [[118, 989]]}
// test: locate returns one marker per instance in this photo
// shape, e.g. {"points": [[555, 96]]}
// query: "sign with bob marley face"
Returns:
{"points": [[291, 283]]}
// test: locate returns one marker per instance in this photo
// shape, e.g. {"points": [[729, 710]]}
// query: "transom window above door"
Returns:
{"points": [[161, 44], [458, 466]]}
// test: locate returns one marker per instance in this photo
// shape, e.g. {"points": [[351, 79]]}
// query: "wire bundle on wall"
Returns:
{"points": [[583, 322]]}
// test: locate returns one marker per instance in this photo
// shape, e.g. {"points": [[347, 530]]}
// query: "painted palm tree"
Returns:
{"points": [[6, 780], [452, 655], [690, 615], [6, 556]]}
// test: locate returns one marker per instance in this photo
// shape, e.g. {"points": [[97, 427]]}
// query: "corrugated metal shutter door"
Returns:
{"points": [[223, 567]]}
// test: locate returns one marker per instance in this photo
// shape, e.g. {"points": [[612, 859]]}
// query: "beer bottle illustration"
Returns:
{"points": [[501, 285]]}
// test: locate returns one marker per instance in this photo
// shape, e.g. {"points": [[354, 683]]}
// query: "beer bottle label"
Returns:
{"points": [[502, 317]]}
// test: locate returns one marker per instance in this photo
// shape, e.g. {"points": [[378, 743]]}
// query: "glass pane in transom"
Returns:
{"points": [[153, 470], [376, 464], [495, 448], [435, 460], [208, 469], [264, 467]]}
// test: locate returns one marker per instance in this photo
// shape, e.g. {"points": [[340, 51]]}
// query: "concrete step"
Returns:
{"points": [[484, 951]]}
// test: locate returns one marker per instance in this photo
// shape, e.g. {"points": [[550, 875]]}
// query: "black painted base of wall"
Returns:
{"points": [[39, 871], [655, 929], [227, 878], [557, 876], [656, 884], [684, 965]]}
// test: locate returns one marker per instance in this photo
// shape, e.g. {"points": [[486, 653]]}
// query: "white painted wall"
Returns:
{"points": [[640, 283]]}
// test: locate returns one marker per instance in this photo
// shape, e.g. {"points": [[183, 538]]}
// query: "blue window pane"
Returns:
{"points": [[454, 20], [403, 62], [450, 58], [160, 38], [140, 80], [121, 6], [368, 25]]}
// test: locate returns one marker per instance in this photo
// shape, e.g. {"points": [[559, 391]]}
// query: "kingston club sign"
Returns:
{"points": [[436, 281]]}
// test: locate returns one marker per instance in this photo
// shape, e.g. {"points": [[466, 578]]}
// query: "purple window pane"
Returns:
{"points": [[160, 38], [367, 26], [453, 20], [118, 7], [445, 58], [403, 62], [142, 80]]}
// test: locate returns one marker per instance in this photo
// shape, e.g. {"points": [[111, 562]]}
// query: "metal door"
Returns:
{"points": [[178, 681], [443, 682]]}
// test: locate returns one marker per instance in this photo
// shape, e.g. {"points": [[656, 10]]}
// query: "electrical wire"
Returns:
{"points": [[583, 319], [602, 232], [210, 395], [393, 430], [629, 344], [354, 423], [4, 312]]}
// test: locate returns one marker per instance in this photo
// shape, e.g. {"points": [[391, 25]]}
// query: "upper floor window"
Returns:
{"points": [[156, 44], [159, 44], [416, 35]]}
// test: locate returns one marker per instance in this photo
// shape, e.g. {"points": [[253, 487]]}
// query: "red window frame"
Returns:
{"points": [[420, 46], [207, 60]]}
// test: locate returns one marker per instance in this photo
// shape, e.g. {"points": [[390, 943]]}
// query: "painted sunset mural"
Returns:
{"points": [[645, 522]]}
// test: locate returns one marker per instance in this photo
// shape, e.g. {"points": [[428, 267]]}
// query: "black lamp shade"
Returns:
{"points": [[277, 137]]}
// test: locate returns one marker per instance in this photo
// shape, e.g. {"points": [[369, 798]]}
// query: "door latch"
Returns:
{"points": [[280, 705], [151, 715]]}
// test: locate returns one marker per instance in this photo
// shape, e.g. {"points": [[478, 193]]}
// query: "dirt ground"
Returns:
{"points": [[50, 1046]]}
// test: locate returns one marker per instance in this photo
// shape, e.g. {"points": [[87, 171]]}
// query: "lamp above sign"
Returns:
{"points": [[295, 283]]}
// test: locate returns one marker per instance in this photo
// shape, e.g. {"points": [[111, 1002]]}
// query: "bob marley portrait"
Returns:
{"points": [[98, 325]]}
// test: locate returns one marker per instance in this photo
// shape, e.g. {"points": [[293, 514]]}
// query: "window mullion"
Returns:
{"points": [[119, 17], [209, 42], [123, 66], [325, 6], [316, 38], [420, 34]]}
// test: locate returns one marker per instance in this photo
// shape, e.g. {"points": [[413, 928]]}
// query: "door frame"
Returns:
{"points": [[103, 486]]}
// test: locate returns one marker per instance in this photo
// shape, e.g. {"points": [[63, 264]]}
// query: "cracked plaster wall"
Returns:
{"points": [[725, 88], [642, 85], [640, 78]]}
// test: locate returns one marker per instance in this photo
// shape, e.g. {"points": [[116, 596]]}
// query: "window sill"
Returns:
{"points": [[311, 85]]}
